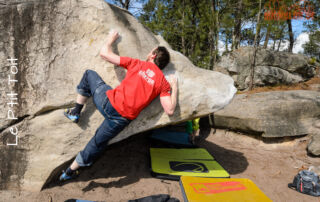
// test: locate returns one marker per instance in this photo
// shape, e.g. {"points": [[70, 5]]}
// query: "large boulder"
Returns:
{"points": [[273, 114], [271, 67], [55, 41]]}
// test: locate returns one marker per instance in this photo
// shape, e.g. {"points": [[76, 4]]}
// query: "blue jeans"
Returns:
{"points": [[91, 84]]}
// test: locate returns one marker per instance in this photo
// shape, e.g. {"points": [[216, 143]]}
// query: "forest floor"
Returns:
{"points": [[123, 172]]}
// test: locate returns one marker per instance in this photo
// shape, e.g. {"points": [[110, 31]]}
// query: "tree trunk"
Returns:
{"points": [[266, 41], [211, 36], [125, 4], [237, 25], [291, 39], [280, 38], [279, 44], [211, 49], [274, 44], [233, 40], [217, 23], [253, 63], [194, 39], [182, 36], [226, 43]]}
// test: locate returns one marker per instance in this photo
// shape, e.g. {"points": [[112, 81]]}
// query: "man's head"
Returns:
{"points": [[159, 56]]}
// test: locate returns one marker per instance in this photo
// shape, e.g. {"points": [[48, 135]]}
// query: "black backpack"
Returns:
{"points": [[156, 198], [306, 182]]}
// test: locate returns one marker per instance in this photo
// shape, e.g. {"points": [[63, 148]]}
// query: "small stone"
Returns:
{"points": [[314, 145]]}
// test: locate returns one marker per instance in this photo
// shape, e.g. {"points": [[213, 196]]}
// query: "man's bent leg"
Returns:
{"points": [[98, 143], [89, 83]]}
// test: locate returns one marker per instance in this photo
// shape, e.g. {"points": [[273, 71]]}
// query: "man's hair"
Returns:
{"points": [[162, 57]]}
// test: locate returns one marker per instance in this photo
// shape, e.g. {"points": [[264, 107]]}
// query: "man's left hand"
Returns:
{"points": [[112, 37]]}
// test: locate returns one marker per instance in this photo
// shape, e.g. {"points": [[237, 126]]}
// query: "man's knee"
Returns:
{"points": [[90, 71]]}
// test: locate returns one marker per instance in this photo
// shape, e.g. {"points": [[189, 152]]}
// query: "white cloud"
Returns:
{"points": [[301, 39], [222, 47], [297, 46]]}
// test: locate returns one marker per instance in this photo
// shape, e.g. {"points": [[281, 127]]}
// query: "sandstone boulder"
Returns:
{"points": [[55, 42], [273, 114], [271, 67]]}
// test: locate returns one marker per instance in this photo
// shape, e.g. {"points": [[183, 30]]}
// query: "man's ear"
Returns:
{"points": [[153, 56]]}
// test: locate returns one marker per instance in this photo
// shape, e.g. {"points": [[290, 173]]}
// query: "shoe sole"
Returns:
{"points": [[73, 120]]}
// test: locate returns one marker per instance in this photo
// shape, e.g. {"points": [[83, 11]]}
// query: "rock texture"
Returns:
{"points": [[271, 67], [273, 114], [314, 145], [55, 41]]}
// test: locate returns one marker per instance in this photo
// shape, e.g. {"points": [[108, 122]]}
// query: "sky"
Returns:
{"points": [[300, 35]]}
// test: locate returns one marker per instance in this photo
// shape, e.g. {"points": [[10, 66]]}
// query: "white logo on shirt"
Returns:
{"points": [[150, 73], [147, 75]]}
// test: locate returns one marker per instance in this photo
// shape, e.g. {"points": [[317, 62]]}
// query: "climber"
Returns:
{"points": [[144, 81]]}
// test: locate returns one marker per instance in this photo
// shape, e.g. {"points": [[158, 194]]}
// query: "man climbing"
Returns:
{"points": [[144, 81]]}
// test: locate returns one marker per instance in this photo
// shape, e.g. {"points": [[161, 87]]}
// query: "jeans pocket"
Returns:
{"points": [[110, 111]]}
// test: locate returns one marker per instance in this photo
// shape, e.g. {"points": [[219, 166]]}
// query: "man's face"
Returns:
{"points": [[151, 56]]}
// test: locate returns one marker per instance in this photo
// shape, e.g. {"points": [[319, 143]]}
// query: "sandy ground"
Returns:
{"points": [[123, 173]]}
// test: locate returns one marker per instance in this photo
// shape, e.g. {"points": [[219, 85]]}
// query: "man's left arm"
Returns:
{"points": [[106, 51], [169, 102]]}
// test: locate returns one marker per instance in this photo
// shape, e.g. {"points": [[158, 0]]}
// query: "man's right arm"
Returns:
{"points": [[106, 51]]}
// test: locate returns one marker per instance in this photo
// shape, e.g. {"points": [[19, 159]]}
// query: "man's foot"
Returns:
{"points": [[71, 115], [64, 176]]}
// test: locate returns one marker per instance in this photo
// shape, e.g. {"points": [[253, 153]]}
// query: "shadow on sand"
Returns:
{"points": [[127, 161]]}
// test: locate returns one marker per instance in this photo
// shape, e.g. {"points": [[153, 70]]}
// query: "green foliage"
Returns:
{"points": [[314, 6], [312, 48], [185, 24], [193, 27], [312, 61]]}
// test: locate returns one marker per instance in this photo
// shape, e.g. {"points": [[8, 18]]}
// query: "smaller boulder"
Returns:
{"points": [[272, 114]]}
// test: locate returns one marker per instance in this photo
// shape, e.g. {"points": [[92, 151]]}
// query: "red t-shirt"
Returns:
{"points": [[144, 81]]}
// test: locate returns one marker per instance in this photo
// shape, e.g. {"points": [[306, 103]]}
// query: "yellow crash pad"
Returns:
{"points": [[196, 189]]}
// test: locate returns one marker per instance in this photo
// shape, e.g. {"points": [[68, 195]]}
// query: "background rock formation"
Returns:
{"points": [[55, 41], [274, 114], [271, 67]]}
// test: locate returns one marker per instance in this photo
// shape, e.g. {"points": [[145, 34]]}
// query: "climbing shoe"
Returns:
{"points": [[73, 117], [64, 176]]}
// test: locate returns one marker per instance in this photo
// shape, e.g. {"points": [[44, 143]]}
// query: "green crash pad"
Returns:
{"points": [[171, 163]]}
